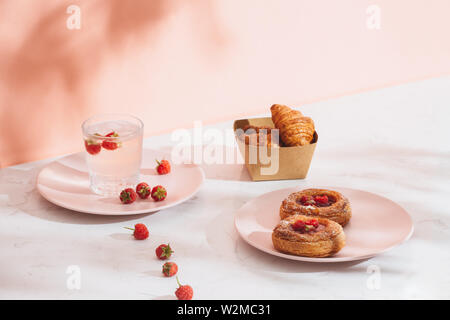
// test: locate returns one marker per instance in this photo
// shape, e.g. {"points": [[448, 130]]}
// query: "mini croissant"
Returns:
{"points": [[295, 129]]}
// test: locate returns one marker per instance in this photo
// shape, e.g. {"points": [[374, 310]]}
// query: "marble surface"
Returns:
{"points": [[393, 141]]}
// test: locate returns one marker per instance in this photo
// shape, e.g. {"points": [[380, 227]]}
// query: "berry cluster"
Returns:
{"points": [[128, 195], [94, 146], [169, 269], [319, 201], [143, 190], [305, 226]]}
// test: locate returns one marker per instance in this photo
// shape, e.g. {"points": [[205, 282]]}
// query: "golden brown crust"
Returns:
{"points": [[326, 241], [251, 135], [339, 211], [295, 129]]}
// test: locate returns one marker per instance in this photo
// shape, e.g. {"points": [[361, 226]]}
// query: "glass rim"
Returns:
{"points": [[89, 135]]}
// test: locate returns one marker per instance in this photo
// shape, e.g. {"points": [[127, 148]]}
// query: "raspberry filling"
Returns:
{"points": [[317, 201], [305, 226]]}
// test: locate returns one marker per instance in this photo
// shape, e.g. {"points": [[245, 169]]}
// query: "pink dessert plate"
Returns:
{"points": [[377, 224], [65, 182]]}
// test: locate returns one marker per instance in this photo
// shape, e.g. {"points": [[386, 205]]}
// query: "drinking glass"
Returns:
{"points": [[113, 144]]}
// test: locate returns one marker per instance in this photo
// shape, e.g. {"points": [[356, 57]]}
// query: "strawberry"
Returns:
{"points": [[164, 251], [313, 222], [143, 190], [305, 226], [159, 193], [163, 167], [110, 144], [92, 147], [128, 196], [184, 292], [321, 199], [140, 231], [169, 269], [298, 225], [307, 200]]}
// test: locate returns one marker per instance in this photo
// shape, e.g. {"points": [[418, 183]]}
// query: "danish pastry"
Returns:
{"points": [[295, 129], [309, 237], [317, 203]]}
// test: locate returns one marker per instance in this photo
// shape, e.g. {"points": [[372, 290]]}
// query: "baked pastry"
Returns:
{"points": [[309, 237], [295, 129], [258, 136], [318, 203]]}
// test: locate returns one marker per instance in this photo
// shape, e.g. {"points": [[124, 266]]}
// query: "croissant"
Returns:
{"points": [[295, 129], [253, 136]]}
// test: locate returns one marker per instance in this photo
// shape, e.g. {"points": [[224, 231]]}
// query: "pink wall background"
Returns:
{"points": [[171, 62]]}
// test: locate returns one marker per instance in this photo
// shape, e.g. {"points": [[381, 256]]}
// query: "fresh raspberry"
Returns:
{"points": [[184, 292], [321, 199], [164, 251], [305, 226], [110, 144], [140, 231], [92, 147], [169, 269], [127, 196], [163, 167], [143, 190], [307, 200], [159, 193], [313, 222], [298, 225]]}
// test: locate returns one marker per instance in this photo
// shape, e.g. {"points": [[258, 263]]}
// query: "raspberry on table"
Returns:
{"points": [[184, 292], [140, 231]]}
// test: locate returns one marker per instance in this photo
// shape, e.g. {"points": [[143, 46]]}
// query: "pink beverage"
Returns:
{"points": [[113, 144]]}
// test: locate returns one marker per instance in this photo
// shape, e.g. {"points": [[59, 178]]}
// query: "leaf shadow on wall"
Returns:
{"points": [[46, 81]]}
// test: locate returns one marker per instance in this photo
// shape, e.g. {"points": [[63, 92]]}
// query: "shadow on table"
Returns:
{"points": [[19, 186], [254, 258], [218, 163], [404, 163], [225, 240]]}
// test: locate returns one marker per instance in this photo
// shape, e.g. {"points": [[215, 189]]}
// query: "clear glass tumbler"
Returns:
{"points": [[113, 144]]}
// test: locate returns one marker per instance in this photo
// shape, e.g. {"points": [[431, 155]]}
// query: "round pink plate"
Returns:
{"points": [[377, 224], [65, 182]]}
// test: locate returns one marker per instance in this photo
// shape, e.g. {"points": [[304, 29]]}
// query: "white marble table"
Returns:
{"points": [[393, 141]]}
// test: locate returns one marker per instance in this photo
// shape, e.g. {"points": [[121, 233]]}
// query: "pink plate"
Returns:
{"points": [[377, 224], [65, 183]]}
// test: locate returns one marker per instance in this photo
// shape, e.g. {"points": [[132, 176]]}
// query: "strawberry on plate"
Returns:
{"points": [[143, 190], [163, 167], [128, 196], [159, 193]]}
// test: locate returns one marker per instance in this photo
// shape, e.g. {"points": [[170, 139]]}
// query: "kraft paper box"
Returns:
{"points": [[277, 163]]}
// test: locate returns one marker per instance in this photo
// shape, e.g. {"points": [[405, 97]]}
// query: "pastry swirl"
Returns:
{"points": [[338, 208], [324, 241]]}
